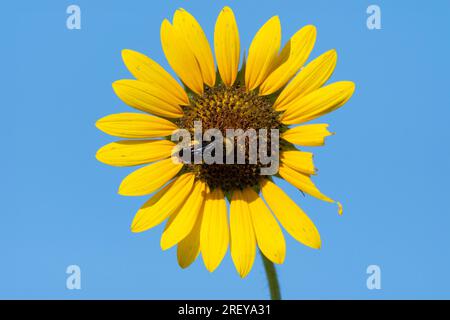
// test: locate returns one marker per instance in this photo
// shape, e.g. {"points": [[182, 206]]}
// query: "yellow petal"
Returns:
{"points": [[181, 58], [297, 51], [149, 178], [310, 135], [302, 182], [189, 248], [145, 69], [181, 223], [147, 97], [135, 125], [312, 77], [318, 103], [291, 217], [299, 160], [134, 152], [214, 235], [186, 25], [305, 184], [262, 53], [243, 241], [227, 46], [157, 196], [268, 233], [163, 204]]}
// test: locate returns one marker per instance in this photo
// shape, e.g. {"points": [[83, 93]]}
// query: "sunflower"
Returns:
{"points": [[271, 90]]}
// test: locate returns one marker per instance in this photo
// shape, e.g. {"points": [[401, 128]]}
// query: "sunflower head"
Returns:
{"points": [[271, 90], [222, 108]]}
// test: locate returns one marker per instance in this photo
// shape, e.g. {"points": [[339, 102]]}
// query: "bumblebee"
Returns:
{"points": [[197, 149]]}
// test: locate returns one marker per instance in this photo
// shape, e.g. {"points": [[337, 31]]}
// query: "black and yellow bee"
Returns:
{"points": [[196, 149]]}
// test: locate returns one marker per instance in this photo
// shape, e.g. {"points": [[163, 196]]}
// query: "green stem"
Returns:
{"points": [[272, 278]]}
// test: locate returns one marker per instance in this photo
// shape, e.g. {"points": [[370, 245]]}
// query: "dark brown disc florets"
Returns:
{"points": [[229, 108]]}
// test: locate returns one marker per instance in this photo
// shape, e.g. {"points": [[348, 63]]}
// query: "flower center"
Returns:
{"points": [[225, 108]]}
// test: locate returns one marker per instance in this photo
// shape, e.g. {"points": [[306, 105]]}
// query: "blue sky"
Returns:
{"points": [[388, 163]]}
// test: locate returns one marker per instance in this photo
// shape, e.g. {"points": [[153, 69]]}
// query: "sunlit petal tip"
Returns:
{"points": [[136, 224], [147, 70], [227, 9], [280, 259], [340, 208], [311, 28], [164, 244], [299, 160], [164, 203], [302, 181], [288, 62], [311, 77], [135, 125], [214, 234], [227, 46], [352, 85], [180, 57], [276, 19], [310, 135], [98, 124], [332, 54], [124, 53], [268, 233], [147, 97], [126, 153], [165, 23], [243, 273], [318, 103], [148, 179], [115, 85], [188, 28], [310, 31], [135, 229], [263, 53], [97, 155], [290, 215], [210, 269], [318, 244], [127, 53], [243, 240], [349, 88]]}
